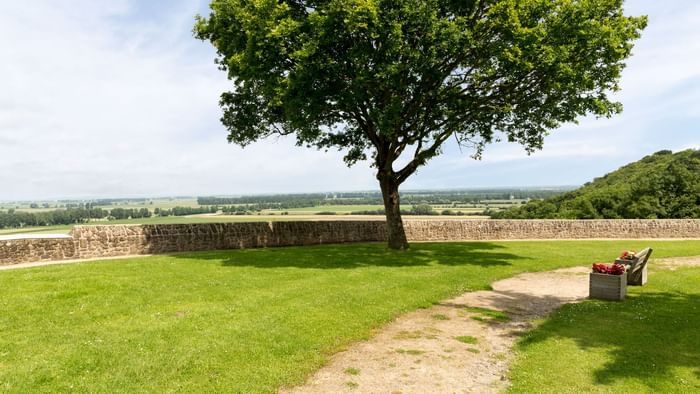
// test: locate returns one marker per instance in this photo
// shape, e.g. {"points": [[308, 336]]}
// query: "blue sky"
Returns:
{"points": [[115, 98]]}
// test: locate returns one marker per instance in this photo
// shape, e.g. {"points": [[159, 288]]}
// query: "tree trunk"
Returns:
{"points": [[394, 224]]}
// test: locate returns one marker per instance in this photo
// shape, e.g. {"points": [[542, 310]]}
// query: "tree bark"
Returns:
{"points": [[394, 224]]}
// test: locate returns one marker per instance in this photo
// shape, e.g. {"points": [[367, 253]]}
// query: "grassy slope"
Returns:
{"points": [[648, 344], [248, 320]]}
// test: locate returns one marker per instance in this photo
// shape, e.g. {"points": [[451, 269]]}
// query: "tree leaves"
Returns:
{"points": [[380, 76], [660, 186]]}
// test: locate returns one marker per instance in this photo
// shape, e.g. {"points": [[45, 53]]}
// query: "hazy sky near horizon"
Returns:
{"points": [[116, 98]]}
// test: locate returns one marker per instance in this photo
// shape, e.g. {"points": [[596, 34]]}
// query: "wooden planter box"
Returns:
{"points": [[607, 287]]}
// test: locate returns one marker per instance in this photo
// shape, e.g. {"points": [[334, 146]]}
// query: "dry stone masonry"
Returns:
{"points": [[100, 241], [454, 230], [123, 240], [25, 250]]}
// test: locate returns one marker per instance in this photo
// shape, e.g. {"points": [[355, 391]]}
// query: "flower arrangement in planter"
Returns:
{"points": [[628, 255], [608, 282], [610, 269]]}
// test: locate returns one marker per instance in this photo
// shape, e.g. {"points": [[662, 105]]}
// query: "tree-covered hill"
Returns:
{"points": [[663, 185]]}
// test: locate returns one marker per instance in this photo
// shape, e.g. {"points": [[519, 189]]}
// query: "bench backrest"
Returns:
{"points": [[641, 261]]}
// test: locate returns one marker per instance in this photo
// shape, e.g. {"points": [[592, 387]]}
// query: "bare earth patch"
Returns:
{"points": [[676, 262], [462, 345]]}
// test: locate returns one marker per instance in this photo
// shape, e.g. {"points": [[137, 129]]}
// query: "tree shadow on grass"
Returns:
{"points": [[647, 336], [348, 256]]}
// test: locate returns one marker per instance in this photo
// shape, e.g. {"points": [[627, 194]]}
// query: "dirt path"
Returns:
{"points": [[677, 262], [421, 352], [429, 350]]}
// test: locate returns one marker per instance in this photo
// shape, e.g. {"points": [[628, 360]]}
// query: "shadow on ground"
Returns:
{"points": [[646, 337], [348, 256]]}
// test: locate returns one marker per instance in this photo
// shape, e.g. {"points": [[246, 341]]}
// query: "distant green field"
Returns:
{"points": [[439, 209], [172, 203], [25, 208], [162, 203], [341, 209], [168, 203], [329, 208], [64, 229], [156, 203], [264, 217]]}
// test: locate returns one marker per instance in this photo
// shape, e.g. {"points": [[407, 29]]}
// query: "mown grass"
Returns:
{"points": [[486, 315], [240, 321], [468, 339], [649, 343]]}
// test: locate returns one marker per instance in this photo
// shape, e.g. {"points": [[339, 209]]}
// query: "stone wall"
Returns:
{"points": [[123, 240], [26, 250], [454, 230]]}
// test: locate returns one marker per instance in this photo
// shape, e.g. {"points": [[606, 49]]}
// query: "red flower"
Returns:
{"points": [[628, 255], [610, 269]]}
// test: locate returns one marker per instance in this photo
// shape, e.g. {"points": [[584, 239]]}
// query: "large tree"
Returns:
{"points": [[384, 79]]}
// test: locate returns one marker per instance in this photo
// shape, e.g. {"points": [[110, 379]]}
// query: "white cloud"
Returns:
{"points": [[666, 55], [95, 106], [111, 98]]}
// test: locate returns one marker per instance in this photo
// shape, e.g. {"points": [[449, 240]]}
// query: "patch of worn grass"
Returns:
{"points": [[352, 371], [440, 316], [411, 352], [468, 339], [473, 350], [351, 384], [486, 315], [649, 343], [408, 335], [254, 320]]}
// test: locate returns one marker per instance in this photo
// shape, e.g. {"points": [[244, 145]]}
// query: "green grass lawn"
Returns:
{"points": [[241, 321], [649, 343]]}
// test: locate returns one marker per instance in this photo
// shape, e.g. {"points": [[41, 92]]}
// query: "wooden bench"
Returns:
{"points": [[637, 267]]}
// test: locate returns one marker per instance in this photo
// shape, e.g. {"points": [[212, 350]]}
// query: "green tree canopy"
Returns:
{"points": [[383, 79], [660, 186]]}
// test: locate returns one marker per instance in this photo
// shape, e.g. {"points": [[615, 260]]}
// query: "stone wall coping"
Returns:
{"points": [[12, 237]]}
